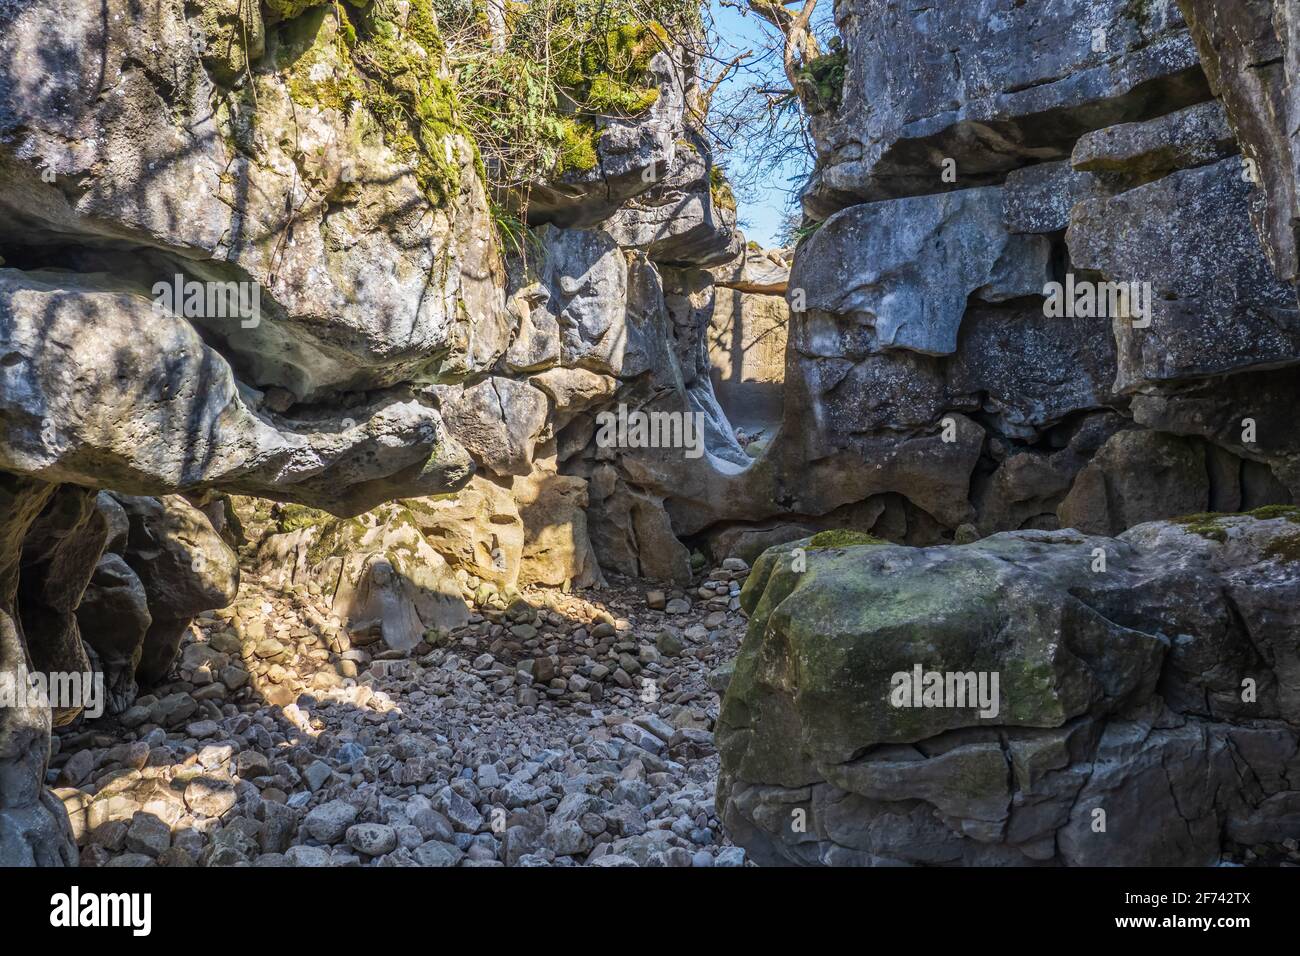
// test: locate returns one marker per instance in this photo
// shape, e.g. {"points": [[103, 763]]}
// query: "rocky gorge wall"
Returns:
{"points": [[981, 152], [409, 423], [372, 338]]}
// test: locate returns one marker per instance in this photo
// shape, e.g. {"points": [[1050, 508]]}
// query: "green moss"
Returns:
{"points": [[820, 82], [1269, 512], [1285, 548], [720, 189], [293, 517], [1207, 525], [382, 57], [288, 9], [337, 537], [608, 95], [843, 538], [578, 146]]}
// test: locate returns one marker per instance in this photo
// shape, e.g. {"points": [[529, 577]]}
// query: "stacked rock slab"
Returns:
{"points": [[977, 161]]}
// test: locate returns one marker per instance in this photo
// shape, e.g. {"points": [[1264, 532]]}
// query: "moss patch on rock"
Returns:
{"points": [[294, 517], [821, 82], [1208, 524], [1285, 548], [843, 538], [384, 58]]}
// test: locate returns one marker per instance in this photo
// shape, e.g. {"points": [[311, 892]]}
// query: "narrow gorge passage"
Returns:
{"points": [[438, 755], [407, 458]]}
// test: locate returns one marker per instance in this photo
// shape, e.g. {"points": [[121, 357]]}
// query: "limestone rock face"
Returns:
{"points": [[114, 620], [183, 566], [42, 530], [498, 421], [680, 219], [992, 86], [632, 154], [905, 285], [814, 721], [218, 194], [1251, 54], [755, 270], [747, 345], [71, 339], [382, 579], [193, 202], [1217, 306], [961, 180], [980, 161], [1137, 476]]}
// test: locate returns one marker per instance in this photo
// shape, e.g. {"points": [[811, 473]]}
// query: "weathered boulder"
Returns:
{"points": [[528, 529], [477, 529], [34, 827], [1137, 476], [899, 272], [1027, 486], [217, 192], [202, 427], [498, 421], [765, 271], [632, 153], [584, 313], [1037, 199], [1137, 153], [1250, 415], [688, 217], [828, 758], [557, 549]]}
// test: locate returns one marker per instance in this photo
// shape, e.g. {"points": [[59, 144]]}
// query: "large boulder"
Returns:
{"points": [[1117, 712]]}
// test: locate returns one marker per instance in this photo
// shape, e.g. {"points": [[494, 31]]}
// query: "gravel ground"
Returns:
{"points": [[564, 730]]}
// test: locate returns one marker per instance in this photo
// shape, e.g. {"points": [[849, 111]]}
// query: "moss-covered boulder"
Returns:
{"points": [[832, 623], [1032, 697]]}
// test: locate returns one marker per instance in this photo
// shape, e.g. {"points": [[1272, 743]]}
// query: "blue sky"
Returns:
{"points": [[760, 209]]}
